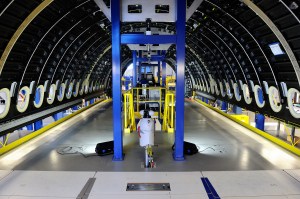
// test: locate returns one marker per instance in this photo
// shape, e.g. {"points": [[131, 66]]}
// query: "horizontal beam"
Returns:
{"points": [[210, 97], [144, 59], [148, 39]]}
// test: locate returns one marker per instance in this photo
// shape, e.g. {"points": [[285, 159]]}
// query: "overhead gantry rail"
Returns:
{"points": [[243, 52]]}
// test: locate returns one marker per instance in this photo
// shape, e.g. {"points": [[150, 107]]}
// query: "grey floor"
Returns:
{"points": [[223, 145]]}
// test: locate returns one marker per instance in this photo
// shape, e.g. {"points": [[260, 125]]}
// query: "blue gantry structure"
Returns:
{"points": [[119, 39]]}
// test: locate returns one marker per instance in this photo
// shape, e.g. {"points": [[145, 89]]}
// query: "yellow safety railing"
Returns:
{"points": [[148, 95], [4, 143], [129, 117], [289, 137], [169, 112]]}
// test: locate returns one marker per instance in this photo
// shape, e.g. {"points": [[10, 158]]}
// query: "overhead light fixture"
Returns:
{"points": [[293, 5], [276, 49]]}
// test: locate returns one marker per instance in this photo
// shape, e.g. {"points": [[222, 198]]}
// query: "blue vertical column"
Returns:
{"points": [[224, 106], [92, 101], [158, 72], [58, 116], [38, 125], [164, 73], [29, 127], [260, 121], [134, 59], [139, 65], [260, 118], [236, 109], [75, 108], [116, 80], [180, 72]]}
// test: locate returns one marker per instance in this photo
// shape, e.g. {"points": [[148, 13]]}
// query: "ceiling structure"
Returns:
{"points": [[228, 52]]}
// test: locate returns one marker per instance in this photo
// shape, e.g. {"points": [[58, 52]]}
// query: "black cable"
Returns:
{"points": [[76, 150]]}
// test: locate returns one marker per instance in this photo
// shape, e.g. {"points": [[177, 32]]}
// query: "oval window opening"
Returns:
{"points": [[4, 102], [91, 87], [86, 88], [69, 92], [39, 96], [51, 95], [259, 96], [75, 93], [223, 93], [237, 95], [229, 93], [212, 88], [294, 102], [23, 99], [61, 92], [246, 93], [274, 99]]}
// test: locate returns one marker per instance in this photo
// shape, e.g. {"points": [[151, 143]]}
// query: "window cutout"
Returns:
{"points": [[259, 97], [61, 92], [246, 93], [274, 99], [276, 49], [69, 91], [51, 95], [23, 99], [4, 102], [75, 93], [137, 8], [236, 90], [294, 102], [86, 87], [39, 96], [162, 8]]}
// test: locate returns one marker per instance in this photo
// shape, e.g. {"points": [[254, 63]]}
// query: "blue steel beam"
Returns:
{"points": [[260, 121], [224, 106], [164, 71], [158, 67], [134, 75], [144, 59], [116, 80], [180, 72], [158, 72], [38, 125], [260, 118], [139, 65], [147, 39], [236, 109]]}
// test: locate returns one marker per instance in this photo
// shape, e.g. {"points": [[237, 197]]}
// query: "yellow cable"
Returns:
{"points": [[5, 142], [6, 139]]}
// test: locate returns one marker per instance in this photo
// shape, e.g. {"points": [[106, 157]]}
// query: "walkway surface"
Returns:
{"points": [[237, 163]]}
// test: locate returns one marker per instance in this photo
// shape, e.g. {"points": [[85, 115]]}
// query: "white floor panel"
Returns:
{"points": [[39, 184], [189, 196], [34, 197], [121, 196], [4, 173], [243, 184], [294, 173], [112, 183]]}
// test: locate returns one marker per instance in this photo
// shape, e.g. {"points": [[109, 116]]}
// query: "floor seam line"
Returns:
{"points": [[11, 171], [291, 176]]}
